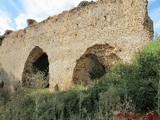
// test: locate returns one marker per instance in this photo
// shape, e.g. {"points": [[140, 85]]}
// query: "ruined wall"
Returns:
{"points": [[123, 25]]}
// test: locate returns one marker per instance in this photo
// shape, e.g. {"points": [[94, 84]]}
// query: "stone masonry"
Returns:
{"points": [[76, 46]]}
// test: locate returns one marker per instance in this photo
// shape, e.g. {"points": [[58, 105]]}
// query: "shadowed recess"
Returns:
{"points": [[88, 69], [36, 70], [94, 64]]}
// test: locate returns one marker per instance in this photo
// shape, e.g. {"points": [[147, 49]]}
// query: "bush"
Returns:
{"points": [[139, 80], [36, 80], [1, 39], [84, 3], [31, 22]]}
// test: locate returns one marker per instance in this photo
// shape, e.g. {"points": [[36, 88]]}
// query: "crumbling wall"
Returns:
{"points": [[8, 81], [122, 24]]}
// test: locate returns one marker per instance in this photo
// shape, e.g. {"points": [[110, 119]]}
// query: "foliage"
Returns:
{"points": [[1, 39], [84, 3], [36, 80], [31, 22]]}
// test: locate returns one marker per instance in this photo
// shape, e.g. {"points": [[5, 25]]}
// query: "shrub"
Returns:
{"points": [[139, 80], [36, 80], [31, 22], [84, 3], [1, 39]]}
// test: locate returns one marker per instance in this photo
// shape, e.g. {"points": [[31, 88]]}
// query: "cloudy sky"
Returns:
{"points": [[13, 13]]}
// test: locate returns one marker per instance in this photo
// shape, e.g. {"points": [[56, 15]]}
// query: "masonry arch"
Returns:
{"points": [[36, 70], [94, 64], [87, 69]]}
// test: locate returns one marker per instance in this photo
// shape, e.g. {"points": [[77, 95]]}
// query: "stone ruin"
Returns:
{"points": [[75, 47]]}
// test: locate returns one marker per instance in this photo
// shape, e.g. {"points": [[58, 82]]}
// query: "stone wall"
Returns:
{"points": [[118, 27]]}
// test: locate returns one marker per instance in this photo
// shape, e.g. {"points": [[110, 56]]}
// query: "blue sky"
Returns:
{"points": [[13, 13], [154, 13]]}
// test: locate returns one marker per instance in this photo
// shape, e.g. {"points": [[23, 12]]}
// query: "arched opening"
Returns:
{"points": [[36, 70], [88, 69], [94, 63]]}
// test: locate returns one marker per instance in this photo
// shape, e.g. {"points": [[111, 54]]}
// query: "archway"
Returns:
{"points": [[88, 69], [36, 70], [94, 63]]}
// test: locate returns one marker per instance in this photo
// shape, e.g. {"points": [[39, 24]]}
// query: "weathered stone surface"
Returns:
{"points": [[6, 33], [108, 29]]}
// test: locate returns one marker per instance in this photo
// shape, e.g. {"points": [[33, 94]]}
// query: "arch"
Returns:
{"points": [[36, 71], [88, 69], [94, 64]]}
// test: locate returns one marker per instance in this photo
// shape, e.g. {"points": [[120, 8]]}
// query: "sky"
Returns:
{"points": [[14, 13]]}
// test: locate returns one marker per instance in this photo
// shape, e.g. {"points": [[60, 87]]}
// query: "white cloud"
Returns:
{"points": [[20, 21], [5, 22], [34, 9], [157, 25], [41, 9]]}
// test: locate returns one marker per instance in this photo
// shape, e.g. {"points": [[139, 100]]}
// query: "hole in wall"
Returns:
{"points": [[36, 70], [56, 87], [88, 69], [94, 64], [1, 84]]}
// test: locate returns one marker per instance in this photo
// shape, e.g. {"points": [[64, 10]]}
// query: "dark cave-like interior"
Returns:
{"points": [[88, 69], [36, 70]]}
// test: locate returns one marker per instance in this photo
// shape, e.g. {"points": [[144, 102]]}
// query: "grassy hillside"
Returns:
{"points": [[128, 88]]}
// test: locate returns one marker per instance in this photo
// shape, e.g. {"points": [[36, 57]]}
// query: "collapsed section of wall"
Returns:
{"points": [[65, 38]]}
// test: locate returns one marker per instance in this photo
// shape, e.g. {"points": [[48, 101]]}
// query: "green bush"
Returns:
{"points": [[31, 22], [139, 80]]}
